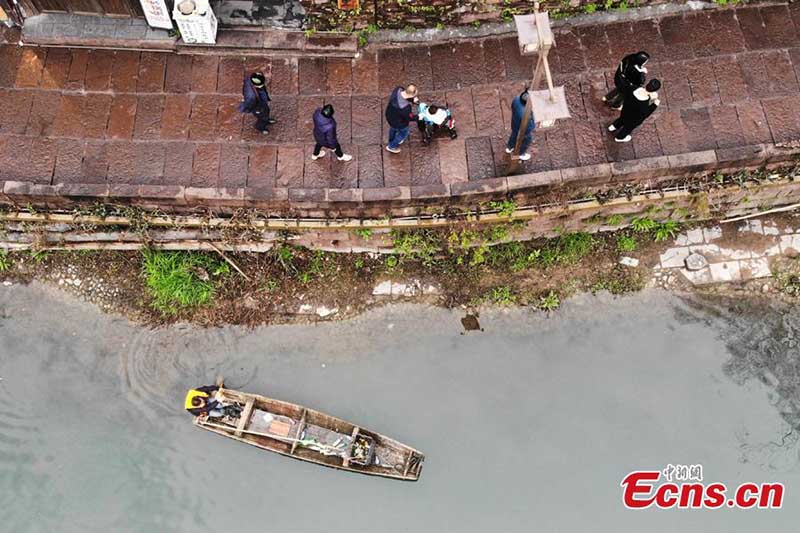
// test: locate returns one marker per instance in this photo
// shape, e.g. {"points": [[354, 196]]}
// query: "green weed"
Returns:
{"points": [[550, 302], [505, 208], [643, 224], [180, 280], [502, 296], [419, 245], [590, 8], [666, 230], [5, 261], [364, 233], [614, 220], [626, 243]]}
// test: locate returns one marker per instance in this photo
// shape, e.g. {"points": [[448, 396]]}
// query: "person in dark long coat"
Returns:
{"points": [[517, 112], [256, 100], [629, 76], [636, 107], [325, 134]]}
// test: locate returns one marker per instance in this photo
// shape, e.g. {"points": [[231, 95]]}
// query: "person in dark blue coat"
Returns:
{"points": [[256, 100], [325, 134], [399, 114], [517, 112]]}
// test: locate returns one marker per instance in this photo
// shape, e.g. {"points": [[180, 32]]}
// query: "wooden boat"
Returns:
{"points": [[309, 435]]}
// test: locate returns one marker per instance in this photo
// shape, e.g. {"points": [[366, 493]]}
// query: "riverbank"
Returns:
{"points": [[603, 387], [457, 268]]}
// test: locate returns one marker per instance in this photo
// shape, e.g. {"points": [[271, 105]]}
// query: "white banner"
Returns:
{"points": [[156, 13]]}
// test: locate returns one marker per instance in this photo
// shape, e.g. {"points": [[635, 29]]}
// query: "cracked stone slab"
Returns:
{"points": [[674, 257], [770, 229], [790, 244], [752, 226], [755, 268], [732, 254], [725, 271], [698, 277], [712, 233], [695, 236]]}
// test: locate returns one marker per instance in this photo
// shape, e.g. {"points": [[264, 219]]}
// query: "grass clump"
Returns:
{"points": [[5, 261], [181, 280], [567, 249], [502, 295], [419, 245], [626, 243], [549, 302]]}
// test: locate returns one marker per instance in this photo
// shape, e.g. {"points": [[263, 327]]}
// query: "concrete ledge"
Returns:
{"points": [[524, 189]]}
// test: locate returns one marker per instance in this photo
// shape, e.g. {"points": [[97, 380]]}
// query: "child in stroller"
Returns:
{"points": [[433, 118]]}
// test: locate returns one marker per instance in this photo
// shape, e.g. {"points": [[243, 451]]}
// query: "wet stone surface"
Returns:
{"points": [[730, 78]]}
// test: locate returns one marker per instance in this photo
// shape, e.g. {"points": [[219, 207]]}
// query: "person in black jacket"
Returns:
{"points": [[399, 114], [325, 134], [629, 76], [256, 100], [637, 106]]}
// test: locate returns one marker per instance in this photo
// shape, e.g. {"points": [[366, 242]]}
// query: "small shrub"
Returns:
{"points": [[590, 8], [502, 296], [643, 224], [392, 262], [626, 243], [666, 230], [180, 280], [364, 233], [419, 245], [285, 256], [505, 208], [550, 302]]}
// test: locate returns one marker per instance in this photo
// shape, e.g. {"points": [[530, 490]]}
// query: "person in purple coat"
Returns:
{"points": [[256, 100], [325, 134]]}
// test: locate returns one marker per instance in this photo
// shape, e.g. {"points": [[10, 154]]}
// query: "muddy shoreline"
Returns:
{"points": [[297, 285]]}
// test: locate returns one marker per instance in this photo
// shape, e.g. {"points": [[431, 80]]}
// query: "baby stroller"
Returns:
{"points": [[433, 118]]}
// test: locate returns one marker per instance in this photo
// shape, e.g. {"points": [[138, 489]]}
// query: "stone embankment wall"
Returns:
{"points": [[398, 14], [541, 205]]}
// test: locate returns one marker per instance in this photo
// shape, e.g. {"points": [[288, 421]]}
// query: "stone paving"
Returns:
{"points": [[724, 263], [730, 79]]}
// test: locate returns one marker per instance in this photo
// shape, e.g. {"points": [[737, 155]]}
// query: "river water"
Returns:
{"points": [[528, 425]]}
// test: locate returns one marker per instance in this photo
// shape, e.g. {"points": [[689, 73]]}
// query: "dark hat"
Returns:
{"points": [[327, 111], [642, 58], [653, 85], [258, 79]]}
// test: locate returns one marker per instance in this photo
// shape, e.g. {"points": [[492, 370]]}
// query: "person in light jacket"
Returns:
{"points": [[325, 134], [399, 114], [629, 76], [256, 100], [636, 107], [517, 112]]}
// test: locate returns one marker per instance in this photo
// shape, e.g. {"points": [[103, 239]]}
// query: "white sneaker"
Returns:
{"points": [[524, 157], [625, 139], [345, 157], [612, 128], [393, 150], [509, 150], [315, 157]]}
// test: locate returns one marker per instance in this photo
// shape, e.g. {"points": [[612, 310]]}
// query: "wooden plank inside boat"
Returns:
{"points": [[299, 431], [245, 416]]}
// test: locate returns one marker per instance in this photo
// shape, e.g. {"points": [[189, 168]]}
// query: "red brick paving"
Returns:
{"points": [[731, 78]]}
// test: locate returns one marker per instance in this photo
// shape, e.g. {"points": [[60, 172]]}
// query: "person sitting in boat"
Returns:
{"points": [[433, 118], [200, 401]]}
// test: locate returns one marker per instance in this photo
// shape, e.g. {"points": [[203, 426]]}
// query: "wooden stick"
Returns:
{"points": [[230, 262], [762, 213]]}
